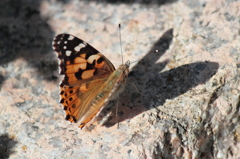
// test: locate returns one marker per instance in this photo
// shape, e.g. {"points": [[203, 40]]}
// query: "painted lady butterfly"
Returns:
{"points": [[90, 79]]}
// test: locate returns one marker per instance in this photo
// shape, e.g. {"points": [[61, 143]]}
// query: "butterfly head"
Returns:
{"points": [[127, 64], [124, 71], [125, 68]]}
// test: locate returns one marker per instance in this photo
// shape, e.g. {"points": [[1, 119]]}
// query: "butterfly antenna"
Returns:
{"points": [[119, 26]]}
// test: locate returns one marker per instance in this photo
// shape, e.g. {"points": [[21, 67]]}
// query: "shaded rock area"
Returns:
{"points": [[182, 95]]}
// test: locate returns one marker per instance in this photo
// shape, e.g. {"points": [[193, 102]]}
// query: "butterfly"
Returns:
{"points": [[90, 79]]}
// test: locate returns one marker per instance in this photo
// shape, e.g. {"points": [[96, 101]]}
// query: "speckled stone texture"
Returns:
{"points": [[186, 60]]}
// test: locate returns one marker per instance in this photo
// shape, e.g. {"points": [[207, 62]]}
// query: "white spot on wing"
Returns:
{"points": [[65, 42], [68, 52], [70, 37], [92, 58], [78, 48], [64, 47]]}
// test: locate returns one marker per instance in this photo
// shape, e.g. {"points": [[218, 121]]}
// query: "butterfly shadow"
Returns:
{"points": [[154, 88]]}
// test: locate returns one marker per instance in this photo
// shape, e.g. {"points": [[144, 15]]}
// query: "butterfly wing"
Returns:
{"points": [[84, 70], [79, 62], [77, 100]]}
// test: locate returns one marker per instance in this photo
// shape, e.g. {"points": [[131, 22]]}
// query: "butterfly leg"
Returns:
{"points": [[117, 115], [135, 87]]}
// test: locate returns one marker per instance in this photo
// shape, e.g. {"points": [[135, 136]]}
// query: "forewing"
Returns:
{"points": [[79, 61]]}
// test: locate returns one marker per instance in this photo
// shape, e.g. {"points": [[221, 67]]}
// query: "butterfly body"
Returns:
{"points": [[108, 91], [90, 79]]}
